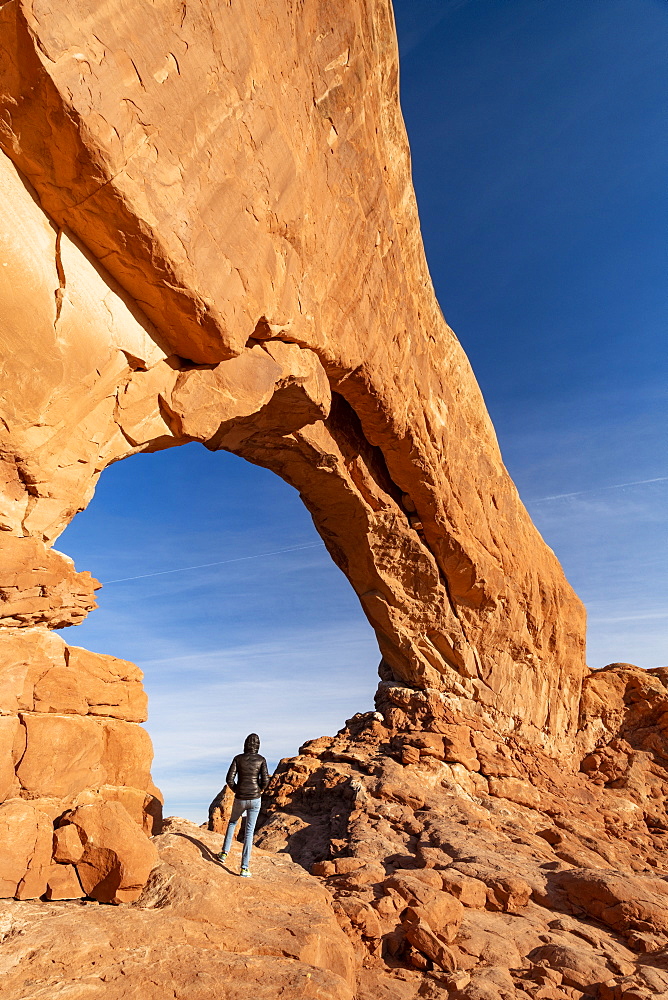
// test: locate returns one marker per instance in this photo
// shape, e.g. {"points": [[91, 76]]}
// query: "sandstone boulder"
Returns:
{"points": [[127, 753], [41, 673], [117, 856], [145, 807], [67, 845], [68, 728], [624, 902], [198, 932], [429, 944], [220, 811], [110, 687], [579, 967], [63, 755], [508, 893], [362, 916], [442, 912], [469, 891]]}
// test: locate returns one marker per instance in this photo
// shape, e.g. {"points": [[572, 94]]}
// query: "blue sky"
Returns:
{"points": [[539, 155]]}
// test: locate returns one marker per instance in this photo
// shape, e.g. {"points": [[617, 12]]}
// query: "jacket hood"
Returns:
{"points": [[252, 743]]}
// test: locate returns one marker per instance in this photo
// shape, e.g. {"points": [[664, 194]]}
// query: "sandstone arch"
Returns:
{"points": [[201, 246], [275, 404]]}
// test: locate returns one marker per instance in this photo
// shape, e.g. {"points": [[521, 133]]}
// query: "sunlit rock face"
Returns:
{"points": [[206, 242]]}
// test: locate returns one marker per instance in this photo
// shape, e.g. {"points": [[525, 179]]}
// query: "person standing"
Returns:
{"points": [[247, 777]]}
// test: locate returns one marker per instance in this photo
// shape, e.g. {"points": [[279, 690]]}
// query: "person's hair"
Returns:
{"points": [[252, 743]]}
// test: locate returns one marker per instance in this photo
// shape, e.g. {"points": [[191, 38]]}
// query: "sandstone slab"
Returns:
{"points": [[41, 586], [63, 755], [68, 729], [26, 835], [198, 932], [63, 883], [67, 845]]}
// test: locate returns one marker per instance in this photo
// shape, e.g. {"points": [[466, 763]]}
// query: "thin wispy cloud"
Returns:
{"points": [[599, 489], [288, 687], [608, 541]]}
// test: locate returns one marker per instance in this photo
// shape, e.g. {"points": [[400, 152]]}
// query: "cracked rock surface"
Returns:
{"points": [[466, 863]]}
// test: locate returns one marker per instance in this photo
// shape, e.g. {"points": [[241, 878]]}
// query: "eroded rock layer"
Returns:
{"points": [[77, 804]]}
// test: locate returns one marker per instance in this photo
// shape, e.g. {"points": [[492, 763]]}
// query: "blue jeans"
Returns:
{"points": [[251, 807]]}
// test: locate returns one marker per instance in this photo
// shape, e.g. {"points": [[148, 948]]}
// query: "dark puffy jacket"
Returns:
{"points": [[248, 775]]}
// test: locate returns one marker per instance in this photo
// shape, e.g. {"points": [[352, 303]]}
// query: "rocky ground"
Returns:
{"points": [[197, 932], [416, 854], [470, 865]]}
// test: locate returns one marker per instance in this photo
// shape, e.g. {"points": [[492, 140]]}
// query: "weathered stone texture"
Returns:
{"points": [[40, 586], [69, 739], [366, 925], [197, 932], [479, 856], [115, 861]]}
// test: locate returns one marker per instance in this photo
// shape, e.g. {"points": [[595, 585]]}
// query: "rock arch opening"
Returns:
{"points": [[387, 443], [218, 587]]}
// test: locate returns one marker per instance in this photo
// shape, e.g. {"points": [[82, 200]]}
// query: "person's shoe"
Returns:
{"points": [[245, 873], [222, 856]]}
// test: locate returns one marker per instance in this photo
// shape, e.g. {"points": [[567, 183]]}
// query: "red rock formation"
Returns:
{"points": [[480, 861], [206, 243], [113, 863], [196, 932], [70, 739], [40, 585]]}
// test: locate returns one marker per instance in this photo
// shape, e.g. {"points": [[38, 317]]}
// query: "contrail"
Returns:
{"points": [[651, 615], [221, 562], [618, 486]]}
